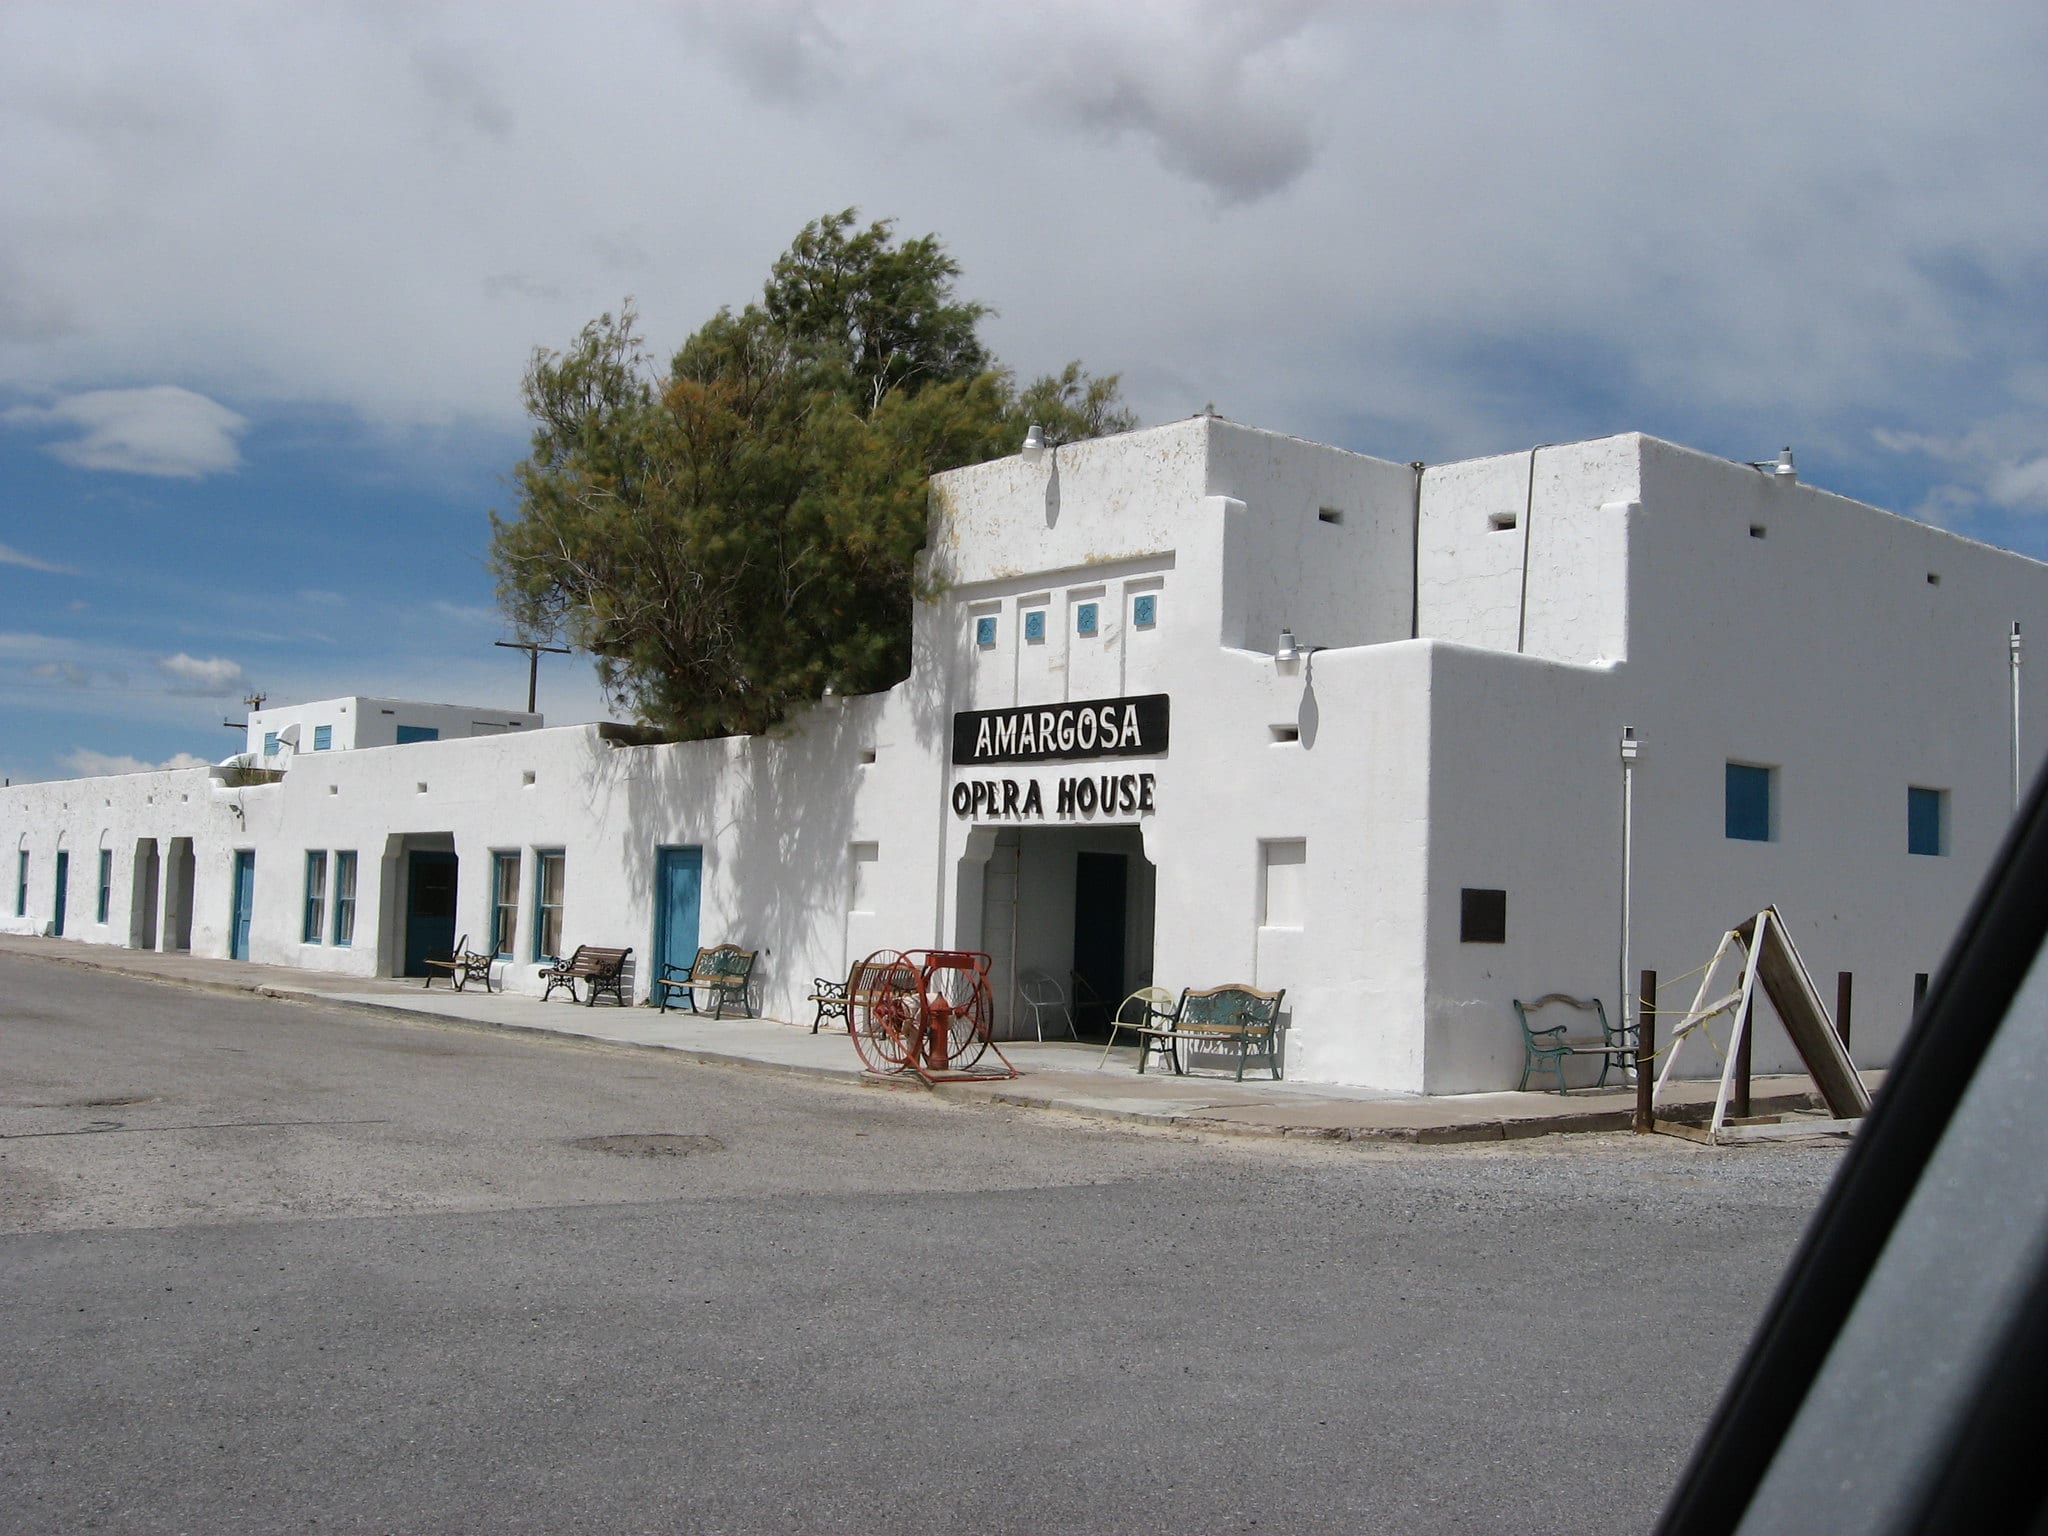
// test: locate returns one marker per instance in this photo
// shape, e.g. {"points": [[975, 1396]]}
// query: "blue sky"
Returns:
{"points": [[269, 276]]}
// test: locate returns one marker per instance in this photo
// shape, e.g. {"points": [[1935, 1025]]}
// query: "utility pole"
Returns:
{"points": [[533, 648], [252, 703]]}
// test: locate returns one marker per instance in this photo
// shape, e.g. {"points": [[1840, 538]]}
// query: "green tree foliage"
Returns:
{"points": [[730, 537]]}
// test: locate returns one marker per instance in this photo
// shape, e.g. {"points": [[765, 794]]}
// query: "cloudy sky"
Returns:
{"points": [[269, 275]]}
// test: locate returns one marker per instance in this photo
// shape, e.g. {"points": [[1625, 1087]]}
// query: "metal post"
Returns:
{"points": [[1845, 995], [2015, 647], [1646, 1051], [1629, 747]]}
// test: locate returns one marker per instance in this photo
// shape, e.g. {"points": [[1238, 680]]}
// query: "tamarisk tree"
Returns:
{"points": [[732, 535]]}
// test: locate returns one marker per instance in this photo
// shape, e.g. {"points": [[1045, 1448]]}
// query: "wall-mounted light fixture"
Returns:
{"points": [[1286, 653], [1780, 468], [1034, 445]]}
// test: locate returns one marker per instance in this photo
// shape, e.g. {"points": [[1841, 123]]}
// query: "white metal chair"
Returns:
{"points": [[1146, 1013], [1043, 995]]}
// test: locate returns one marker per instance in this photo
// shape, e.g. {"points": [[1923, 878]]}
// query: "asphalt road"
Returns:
{"points": [[271, 1267]]}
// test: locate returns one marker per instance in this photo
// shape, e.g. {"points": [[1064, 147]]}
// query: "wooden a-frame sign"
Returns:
{"points": [[1773, 960]]}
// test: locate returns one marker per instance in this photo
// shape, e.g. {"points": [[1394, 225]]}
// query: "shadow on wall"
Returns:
{"points": [[774, 816]]}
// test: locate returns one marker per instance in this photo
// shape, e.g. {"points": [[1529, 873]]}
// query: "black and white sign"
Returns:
{"points": [[1132, 727]]}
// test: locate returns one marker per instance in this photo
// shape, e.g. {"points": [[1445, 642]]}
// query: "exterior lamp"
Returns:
{"points": [[1780, 468], [1034, 445], [1286, 653]]}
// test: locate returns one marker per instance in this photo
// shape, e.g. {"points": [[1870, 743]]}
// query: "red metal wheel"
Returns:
{"points": [[882, 1010]]}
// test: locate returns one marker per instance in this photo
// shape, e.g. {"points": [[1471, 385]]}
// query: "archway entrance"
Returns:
{"points": [[1072, 903]]}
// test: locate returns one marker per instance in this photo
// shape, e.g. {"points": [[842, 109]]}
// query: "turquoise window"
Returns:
{"points": [[1085, 619], [270, 743], [504, 904], [1926, 819], [21, 887], [549, 880], [345, 897], [408, 733], [1748, 808], [316, 897], [106, 882], [985, 632], [1145, 611], [323, 737], [1034, 624]]}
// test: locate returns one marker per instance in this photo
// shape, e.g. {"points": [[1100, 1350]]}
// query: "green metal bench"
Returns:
{"points": [[1549, 1048], [724, 970], [1236, 1019]]}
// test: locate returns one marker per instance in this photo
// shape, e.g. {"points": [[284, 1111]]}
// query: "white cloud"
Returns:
{"points": [[11, 556], [1415, 227], [86, 763], [1994, 465], [207, 675], [161, 430]]}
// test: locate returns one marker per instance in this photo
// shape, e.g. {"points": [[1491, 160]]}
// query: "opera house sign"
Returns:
{"points": [[1082, 731]]}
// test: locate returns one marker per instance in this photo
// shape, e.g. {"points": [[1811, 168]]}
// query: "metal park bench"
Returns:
{"points": [[829, 998], [724, 970], [600, 970], [1238, 1020], [1549, 1048], [463, 966]]}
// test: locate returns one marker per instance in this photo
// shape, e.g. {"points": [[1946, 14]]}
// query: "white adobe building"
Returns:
{"points": [[1099, 762], [343, 725]]}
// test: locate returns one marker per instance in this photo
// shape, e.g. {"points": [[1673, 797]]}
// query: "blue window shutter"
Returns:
{"points": [[1749, 803], [1923, 822], [407, 733], [323, 737]]}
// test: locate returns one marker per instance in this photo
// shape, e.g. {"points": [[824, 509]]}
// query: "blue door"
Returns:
{"points": [[678, 878], [63, 890], [245, 903], [429, 909]]}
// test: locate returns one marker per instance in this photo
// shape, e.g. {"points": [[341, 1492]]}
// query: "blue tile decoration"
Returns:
{"points": [[985, 632], [1084, 619], [1145, 611], [1034, 624]]}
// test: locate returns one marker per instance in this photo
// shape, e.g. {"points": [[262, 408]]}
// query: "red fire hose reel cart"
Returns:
{"points": [[925, 1011]]}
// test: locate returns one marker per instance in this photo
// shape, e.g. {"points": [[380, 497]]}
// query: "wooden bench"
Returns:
{"points": [[463, 966], [829, 998], [1237, 1019], [1549, 1047], [724, 970], [601, 970]]}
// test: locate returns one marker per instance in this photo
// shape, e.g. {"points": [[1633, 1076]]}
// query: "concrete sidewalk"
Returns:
{"points": [[1054, 1075]]}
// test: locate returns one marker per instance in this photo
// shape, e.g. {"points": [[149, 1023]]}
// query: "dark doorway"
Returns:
{"points": [[429, 908], [147, 874], [1100, 907]]}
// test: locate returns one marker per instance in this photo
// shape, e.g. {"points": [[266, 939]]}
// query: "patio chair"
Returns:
{"points": [[1145, 1013], [1042, 994]]}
